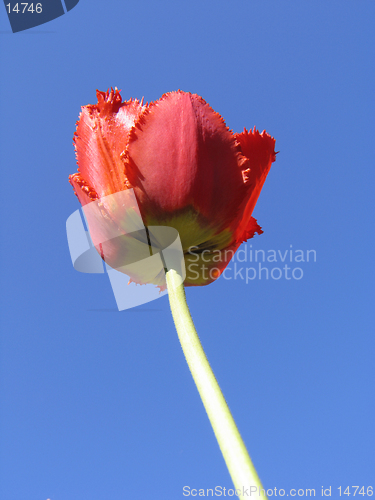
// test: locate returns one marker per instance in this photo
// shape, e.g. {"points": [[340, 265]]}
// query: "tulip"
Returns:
{"points": [[187, 169], [187, 173]]}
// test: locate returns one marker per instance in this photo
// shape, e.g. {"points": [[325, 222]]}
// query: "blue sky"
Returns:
{"points": [[99, 404]]}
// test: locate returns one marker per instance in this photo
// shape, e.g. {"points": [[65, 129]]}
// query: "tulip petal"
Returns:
{"points": [[181, 154], [101, 136], [85, 193], [250, 230], [259, 149]]}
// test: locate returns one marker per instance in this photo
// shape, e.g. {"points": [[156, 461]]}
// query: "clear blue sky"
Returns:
{"points": [[98, 404]]}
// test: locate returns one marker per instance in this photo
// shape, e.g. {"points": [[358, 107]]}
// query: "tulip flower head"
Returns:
{"points": [[188, 171]]}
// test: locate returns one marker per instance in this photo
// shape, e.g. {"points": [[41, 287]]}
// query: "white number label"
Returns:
{"points": [[38, 8]]}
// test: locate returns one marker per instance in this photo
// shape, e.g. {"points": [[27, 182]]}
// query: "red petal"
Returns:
{"points": [[181, 154], [260, 151], [101, 136], [250, 230], [83, 191]]}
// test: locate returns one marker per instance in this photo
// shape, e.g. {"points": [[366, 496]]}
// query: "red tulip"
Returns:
{"points": [[187, 169]]}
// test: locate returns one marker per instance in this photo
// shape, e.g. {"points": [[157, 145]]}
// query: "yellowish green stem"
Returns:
{"points": [[236, 457]]}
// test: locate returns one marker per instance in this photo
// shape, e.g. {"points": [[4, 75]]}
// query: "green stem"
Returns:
{"points": [[231, 444]]}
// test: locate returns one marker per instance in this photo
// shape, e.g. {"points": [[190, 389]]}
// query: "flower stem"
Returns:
{"points": [[236, 457]]}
